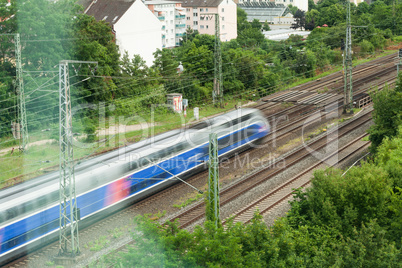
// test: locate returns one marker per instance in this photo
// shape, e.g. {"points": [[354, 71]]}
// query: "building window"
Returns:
{"points": [[223, 18], [201, 9], [187, 9], [202, 27], [188, 26], [206, 9], [188, 18], [195, 14], [171, 31], [223, 27], [223, 10], [195, 22], [171, 22], [202, 17], [171, 13], [207, 26]]}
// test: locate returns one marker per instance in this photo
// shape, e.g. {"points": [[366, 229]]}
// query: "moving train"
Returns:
{"points": [[29, 212]]}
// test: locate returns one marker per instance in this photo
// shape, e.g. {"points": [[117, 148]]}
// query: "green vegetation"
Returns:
{"points": [[387, 114], [189, 201], [351, 220], [98, 244]]}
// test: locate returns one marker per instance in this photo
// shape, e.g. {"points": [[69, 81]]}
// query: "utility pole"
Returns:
{"points": [[22, 118], [21, 96], [212, 206], [69, 214], [218, 80], [347, 63], [217, 93]]}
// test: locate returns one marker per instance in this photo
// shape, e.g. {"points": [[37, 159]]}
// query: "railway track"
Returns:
{"points": [[197, 212], [285, 191]]}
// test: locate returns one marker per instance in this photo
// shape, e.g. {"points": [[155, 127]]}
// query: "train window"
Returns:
{"points": [[41, 201], [2, 217], [11, 213], [201, 125]]}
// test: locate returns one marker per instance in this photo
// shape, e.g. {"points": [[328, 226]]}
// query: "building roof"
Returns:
{"points": [[157, 2], [108, 10], [265, 5], [201, 3]]}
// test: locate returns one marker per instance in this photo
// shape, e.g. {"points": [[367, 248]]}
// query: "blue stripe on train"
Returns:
{"points": [[46, 221]]}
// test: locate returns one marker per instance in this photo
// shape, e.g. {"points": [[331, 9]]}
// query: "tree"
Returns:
{"points": [[293, 9], [266, 27], [311, 5], [95, 42], [256, 24], [300, 20], [242, 22], [387, 115], [46, 30]]}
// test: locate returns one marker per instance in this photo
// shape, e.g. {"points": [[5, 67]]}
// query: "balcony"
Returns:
{"points": [[180, 25], [180, 16], [163, 27], [179, 34], [163, 36], [161, 17]]}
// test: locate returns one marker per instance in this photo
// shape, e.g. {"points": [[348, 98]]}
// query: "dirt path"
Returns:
{"points": [[41, 142]]}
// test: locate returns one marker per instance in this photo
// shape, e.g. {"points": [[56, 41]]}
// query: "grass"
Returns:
{"points": [[49, 263], [98, 244], [189, 201], [116, 232]]}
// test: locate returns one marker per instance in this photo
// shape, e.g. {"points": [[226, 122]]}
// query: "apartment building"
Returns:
{"points": [[173, 18], [201, 16]]}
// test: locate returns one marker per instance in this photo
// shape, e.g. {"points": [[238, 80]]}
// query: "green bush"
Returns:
{"points": [[366, 47]]}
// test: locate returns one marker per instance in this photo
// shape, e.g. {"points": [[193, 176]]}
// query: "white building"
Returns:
{"points": [[301, 4], [201, 17], [137, 30], [173, 19], [284, 20]]}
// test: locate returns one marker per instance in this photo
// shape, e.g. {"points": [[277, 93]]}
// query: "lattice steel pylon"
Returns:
{"points": [[347, 63], [218, 80], [21, 97], [69, 214], [68, 236], [212, 213]]}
